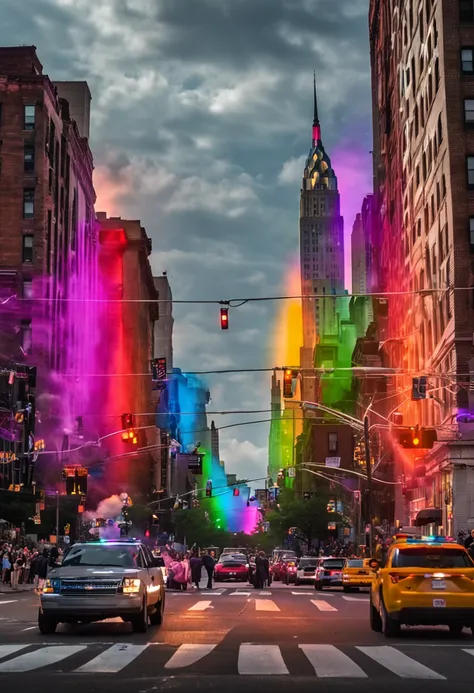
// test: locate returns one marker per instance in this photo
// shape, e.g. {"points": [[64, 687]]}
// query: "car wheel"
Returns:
{"points": [[297, 582], [345, 588], [455, 629], [156, 617], [375, 620], [390, 627], [140, 622], [46, 624]]}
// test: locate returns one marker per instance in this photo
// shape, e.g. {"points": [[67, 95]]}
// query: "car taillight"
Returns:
{"points": [[334, 572]]}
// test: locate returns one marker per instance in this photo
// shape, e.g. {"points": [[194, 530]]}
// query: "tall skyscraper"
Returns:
{"points": [[321, 248], [423, 103]]}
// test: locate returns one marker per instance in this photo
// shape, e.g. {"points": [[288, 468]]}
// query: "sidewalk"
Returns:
{"points": [[5, 589]]}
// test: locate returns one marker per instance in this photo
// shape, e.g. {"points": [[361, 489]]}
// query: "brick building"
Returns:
{"points": [[423, 105], [129, 312], [47, 237]]}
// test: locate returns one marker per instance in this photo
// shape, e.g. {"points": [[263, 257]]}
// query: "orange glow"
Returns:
{"points": [[288, 333], [416, 441]]}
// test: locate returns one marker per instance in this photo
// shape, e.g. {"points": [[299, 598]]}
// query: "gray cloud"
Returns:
{"points": [[201, 113]]}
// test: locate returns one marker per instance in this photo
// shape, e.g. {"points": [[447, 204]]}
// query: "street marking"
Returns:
{"points": [[8, 601], [7, 650], [112, 660], [265, 605], [399, 663], [188, 654], [261, 660], [241, 594], [329, 662], [304, 594], [38, 659], [201, 606], [322, 605], [357, 599], [471, 652], [29, 628], [265, 594]]}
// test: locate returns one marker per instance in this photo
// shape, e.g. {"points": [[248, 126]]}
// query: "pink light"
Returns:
{"points": [[316, 133]]}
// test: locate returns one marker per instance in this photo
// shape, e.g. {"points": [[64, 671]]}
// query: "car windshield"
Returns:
{"points": [[233, 557], [333, 564], [430, 557], [110, 555], [307, 563], [355, 564]]}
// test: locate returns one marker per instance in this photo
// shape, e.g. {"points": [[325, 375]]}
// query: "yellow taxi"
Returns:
{"points": [[357, 573], [422, 581]]}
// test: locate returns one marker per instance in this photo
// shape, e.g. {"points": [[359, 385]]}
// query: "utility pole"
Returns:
{"points": [[57, 519], [368, 466]]}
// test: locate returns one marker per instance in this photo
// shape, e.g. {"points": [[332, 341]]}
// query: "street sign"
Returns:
{"points": [[333, 461], [291, 472], [332, 525]]}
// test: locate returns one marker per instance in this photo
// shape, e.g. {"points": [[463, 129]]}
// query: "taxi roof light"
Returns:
{"points": [[428, 540]]}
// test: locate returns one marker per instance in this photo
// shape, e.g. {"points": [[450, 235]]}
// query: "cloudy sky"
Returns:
{"points": [[202, 114]]}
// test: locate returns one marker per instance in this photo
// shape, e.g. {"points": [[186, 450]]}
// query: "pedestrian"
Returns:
{"points": [[53, 557], [262, 570], [6, 568], [41, 570], [469, 540], [181, 573], [208, 563], [196, 569]]}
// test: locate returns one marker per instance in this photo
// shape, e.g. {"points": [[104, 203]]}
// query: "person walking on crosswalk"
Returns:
{"points": [[208, 563]]}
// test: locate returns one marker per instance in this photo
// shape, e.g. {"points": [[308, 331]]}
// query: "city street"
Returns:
{"points": [[210, 639]]}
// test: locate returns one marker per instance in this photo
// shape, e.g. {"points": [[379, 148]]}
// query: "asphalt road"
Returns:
{"points": [[231, 637]]}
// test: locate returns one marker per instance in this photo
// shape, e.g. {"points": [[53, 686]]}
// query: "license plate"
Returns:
{"points": [[362, 572], [439, 603], [438, 584], [336, 575]]}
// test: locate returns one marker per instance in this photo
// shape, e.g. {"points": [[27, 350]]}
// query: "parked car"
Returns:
{"points": [[306, 571], [329, 573], [232, 566]]}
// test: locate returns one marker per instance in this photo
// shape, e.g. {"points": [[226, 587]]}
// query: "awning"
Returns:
{"points": [[428, 516]]}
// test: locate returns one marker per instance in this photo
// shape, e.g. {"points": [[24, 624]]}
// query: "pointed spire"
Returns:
{"points": [[316, 124], [316, 115]]}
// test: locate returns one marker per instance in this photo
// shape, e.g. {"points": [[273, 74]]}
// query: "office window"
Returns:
{"points": [[26, 336], [29, 117], [29, 158], [469, 111], [28, 245], [28, 203], [27, 288], [332, 442], [470, 171], [467, 60], [471, 231], [466, 10]]}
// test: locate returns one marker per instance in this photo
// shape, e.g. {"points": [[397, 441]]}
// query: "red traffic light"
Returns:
{"points": [[288, 383], [236, 492], [224, 318]]}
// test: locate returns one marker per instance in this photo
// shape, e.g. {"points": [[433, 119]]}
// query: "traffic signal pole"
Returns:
{"points": [[368, 467]]}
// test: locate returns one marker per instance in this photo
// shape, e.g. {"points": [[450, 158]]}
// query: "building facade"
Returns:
{"points": [[423, 99], [127, 324], [48, 243]]}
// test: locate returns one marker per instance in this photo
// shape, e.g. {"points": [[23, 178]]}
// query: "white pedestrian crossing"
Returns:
{"points": [[250, 659], [201, 606], [240, 594], [39, 659], [329, 662], [266, 605], [399, 663], [322, 605], [356, 599], [261, 660], [188, 654], [113, 660]]}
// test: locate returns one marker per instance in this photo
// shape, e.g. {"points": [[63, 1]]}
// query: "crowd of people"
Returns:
{"points": [[186, 568], [23, 565]]}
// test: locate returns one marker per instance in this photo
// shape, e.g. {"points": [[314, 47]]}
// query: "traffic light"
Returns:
{"points": [[158, 369], [128, 424], [224, 318], [288, 383], [417, 438], [209, 489], [79, 427], [418, 390], [236, 492]]}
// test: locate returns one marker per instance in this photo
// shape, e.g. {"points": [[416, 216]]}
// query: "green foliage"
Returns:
{"points": [[310, 517]]}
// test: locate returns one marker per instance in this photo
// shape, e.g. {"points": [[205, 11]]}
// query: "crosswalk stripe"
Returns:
{"points": [[265, 594], [261, 660], [8, 601], [329, 662], [266, 605], [399, 663], [241, 594], [471, 652], [7, 650], [201, 606], [188, 654], [356, 599], [40, 658], [114, 659], [304, 594], [322, 605]]}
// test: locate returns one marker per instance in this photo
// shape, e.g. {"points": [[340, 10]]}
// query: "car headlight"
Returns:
{"points": [[52, 586], [131, 586], [247, 565], [345, 575]]}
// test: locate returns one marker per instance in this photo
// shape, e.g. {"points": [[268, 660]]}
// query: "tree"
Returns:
{"points": [[310, 517]]}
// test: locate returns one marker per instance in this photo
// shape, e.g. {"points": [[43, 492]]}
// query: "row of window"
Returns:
{"points": [[29, 116], [466, 10]]}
